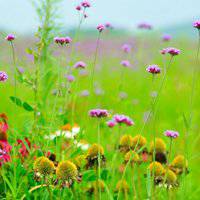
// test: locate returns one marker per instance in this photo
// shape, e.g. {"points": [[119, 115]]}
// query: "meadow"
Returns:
{"points": [[106, 115]]}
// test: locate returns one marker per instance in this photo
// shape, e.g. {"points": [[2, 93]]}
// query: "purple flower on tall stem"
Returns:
{"points": [[125, 63], [196, 24], [171, 134], [100, 27], [62, 40], [126, 48], [123, 119], [166, 37], [173, 51], [10, 37], [153, 69], [85, 4], [99, 113], [78, 8], [70, 78], [80, 64], [108, 25], [3, 76], [111, 123]]}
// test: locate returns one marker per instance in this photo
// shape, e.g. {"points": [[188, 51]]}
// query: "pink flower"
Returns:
{"points": [[126, 48], [85, 4], [10, 37], [166, 37], [23, 150], [62, 40], [196, 24], [144, 25], [80, 64], [99, 113], [70, 78], [100, 27], [111, 123], [123, 119], [125, 63], [78, 7], [153, 69], [171, 134], [108, 25], [3, 76], [163, 51], [173, 51]]}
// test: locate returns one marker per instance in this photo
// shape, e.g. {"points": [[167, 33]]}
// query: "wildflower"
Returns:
{"points": [[125, 63], [100, 27], [132, 157], [166, 37], [70, 78], [99, 113], [85, 4], [24, 151], [82, 144], [99, 91], [123, 119], [20, 70], [126, 48], [196, 24], [3, 76], [125, 143], [62, 40], [153, 69], [111, 123], [171, 178], [10, 37], [123, 95], [157, 169], [171, 134], [173, 51], [84, 93], [160, 150], [78, 8], [122, 186], [43, 166], [4, 157], [145, 25], [163, 51], [95, 186], [179, 164], [108, 25], [138, 142], [67, 171], [92, 155], [80, 64]]}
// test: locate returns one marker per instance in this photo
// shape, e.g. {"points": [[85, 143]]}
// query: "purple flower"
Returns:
{"points": [[10, 37], [163, 51], [100, 27], [108, 25], [70, 78], [154, 69], [85, 4], [166, 37], [196, 24], [125, 63], [85, 93], [173, 51], [126, 48], [171, 134], [80, 64], [99, 113], [123, 119], [144, 25], [111, 123], [62, 40], [78, 7], [3, 76]]}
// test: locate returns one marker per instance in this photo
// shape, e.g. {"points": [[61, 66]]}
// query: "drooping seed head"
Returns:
{"points": [[156, 168]]}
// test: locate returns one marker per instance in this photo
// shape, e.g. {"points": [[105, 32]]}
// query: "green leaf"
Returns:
{"points": [[104, 174], [16, 100], [89, 175], [27, 107]]}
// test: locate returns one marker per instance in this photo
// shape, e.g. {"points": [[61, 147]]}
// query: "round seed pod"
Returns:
{"points": [[156, 168], [131, 156], [160, 146], [94, 150], [138, 141]]}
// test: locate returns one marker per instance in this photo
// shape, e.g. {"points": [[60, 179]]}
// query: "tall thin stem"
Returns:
{"points": [[99, 160]]}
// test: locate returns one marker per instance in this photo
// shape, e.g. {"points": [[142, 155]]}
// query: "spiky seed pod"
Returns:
{"points": [[156, 168], [66, 171], [132, 156], [92, 155], [80, 161], [125, 143], [122, 186], [160, 146], [179, 164], [171, 178], [138, 142], [44, 166], [94, 150]]}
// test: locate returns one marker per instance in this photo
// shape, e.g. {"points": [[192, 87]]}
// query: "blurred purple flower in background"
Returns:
{"points": [[3, 76], [166, 37], [125, 63], [70, 78], [62, 40], [85, 93], [10, 37], [111, 123], [126, 48], [153, 69], [145, 25], [171, 134], [123, 119], [196, 24], [80, 64], [100, 27]]}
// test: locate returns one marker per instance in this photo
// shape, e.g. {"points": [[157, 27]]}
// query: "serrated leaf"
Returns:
{"points": [[27, 107], [16, 100]]}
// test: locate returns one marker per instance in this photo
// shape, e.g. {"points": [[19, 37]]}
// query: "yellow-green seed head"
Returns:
{"points": [[80, 161], [180, 162], [160, 146], [139, 141], [126, 141], [156, 168], [131, 155], [171, 177], [122, 186], [66, 170], [44, 166], [94, 150]]}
